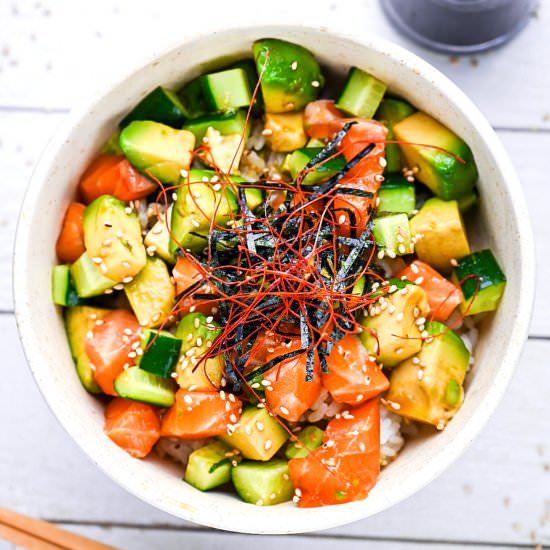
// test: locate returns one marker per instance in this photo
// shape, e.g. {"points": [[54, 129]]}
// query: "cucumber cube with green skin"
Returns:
{"points": [[479, 268], [393, 234], [226, 90], [291, 78], [79, 321], [258, 436], [467, 202], [160, 105], [196, 204], [192, 99], [209, 467], [396, 196], [310, 438], [160, 352], [297, 161], [157, 149], [361, 95], [389, 113], [88, 281], [63, 291], [230, 123], [112, 235], [249, 67], [151, 293], [263, 483], [428, 387], [139, 385], [445, 175]]}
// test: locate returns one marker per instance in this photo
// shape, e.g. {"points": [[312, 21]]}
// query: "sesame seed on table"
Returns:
{"points": [[495, 496]]}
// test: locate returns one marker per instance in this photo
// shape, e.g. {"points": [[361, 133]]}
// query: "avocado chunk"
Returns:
{"points": [[446, 176], [389, 113], [112, 145], [112, 236], [310, 438], [157, 149], [159, 352], [157, 240], [479, 268], [361, 95], [199, 205], [209, 466], [285, 132], [160, 105], [151, 293], [393, 234], [392, 334], [263, 483], [88, 281], [197, 334], [396, 196], [428, 387], [80, 320], [440, 234], [227, 124], [298, 160], [259, 436], [292, 77]]}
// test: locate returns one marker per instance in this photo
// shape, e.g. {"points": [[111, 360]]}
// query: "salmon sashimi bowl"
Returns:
{"points": [[266, 276]]}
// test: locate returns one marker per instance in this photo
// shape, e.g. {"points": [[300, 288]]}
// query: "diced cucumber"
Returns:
{"points": [[258, 436], [209, 467], [249, 67], [79, 321], [263, 483], [226, 90], [468, 201], [151, 293], [139, 385], [393, 234], [160, 352], [227, 124], [297, 161], [157, 239], [192, 98], [396, 196], [112, 235], [291, 78], [361, 95], [389, 113], [63, 291], [483, 269], [160, 105], [157, 149], [310, 438], [87, 279]]}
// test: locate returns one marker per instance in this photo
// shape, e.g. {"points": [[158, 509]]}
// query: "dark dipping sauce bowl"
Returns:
{"points": [[459, 26]]}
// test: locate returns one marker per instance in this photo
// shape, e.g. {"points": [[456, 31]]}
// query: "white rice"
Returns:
{"points": [[391, 438], [324, 408], [178, 449]]}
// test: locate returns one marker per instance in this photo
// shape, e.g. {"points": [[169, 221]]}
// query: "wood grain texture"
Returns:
{"points": [[497, 492]]}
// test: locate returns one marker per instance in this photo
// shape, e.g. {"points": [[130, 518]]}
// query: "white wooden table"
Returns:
{"points": [[496, 496]]}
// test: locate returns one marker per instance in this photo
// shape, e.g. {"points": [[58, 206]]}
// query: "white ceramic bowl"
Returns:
{"points": [[505, 228]]}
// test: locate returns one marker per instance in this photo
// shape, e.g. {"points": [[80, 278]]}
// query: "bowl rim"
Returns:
{"points": [[23, 310]]}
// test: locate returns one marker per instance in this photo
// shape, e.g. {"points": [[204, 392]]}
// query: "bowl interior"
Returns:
{"points": [[41, 326]]}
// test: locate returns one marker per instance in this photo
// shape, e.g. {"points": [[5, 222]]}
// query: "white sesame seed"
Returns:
{"points": [[315, 83], [127, 279], [196, 322], [97, 260], [399, 351], [383, 162], [419, 280], [294, 65], [192, 309], [414, 268], [268, 444], [400, 316], [199, 341], [283, 410], [188, 399], [233, 418], [259, 426], [342, 219], [402, 249], [184, 173], [259, 502], [453, 262], [195, 222], [108, 291], [132, 354]]}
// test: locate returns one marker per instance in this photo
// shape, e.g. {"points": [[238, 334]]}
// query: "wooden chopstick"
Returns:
{"points": [[35, 534]]}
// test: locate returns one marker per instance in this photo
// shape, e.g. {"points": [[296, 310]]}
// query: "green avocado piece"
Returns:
{"points": [[361, 95], [229, 123], [80, 320], [259, 436], [479, 268], [157, 150], [112, 235], [310, 438], [292, 77], [428, 387], [263, 483], [446, 176], [297, 161], [209, 466], [88, 280]]}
